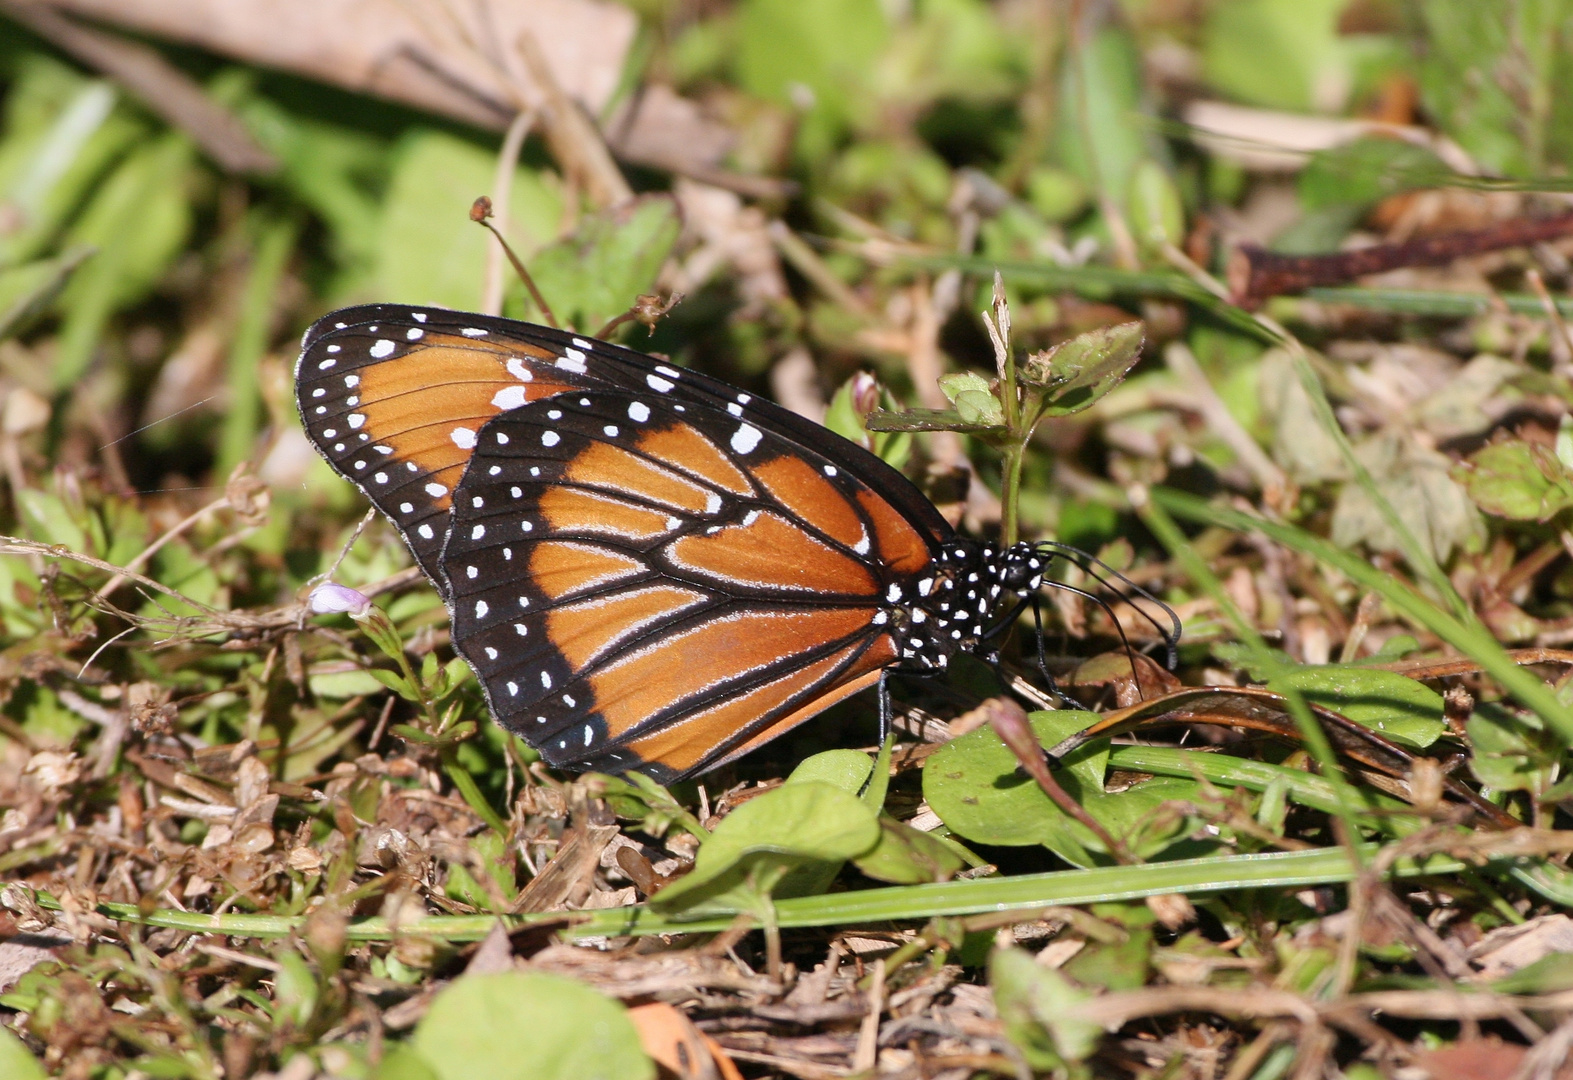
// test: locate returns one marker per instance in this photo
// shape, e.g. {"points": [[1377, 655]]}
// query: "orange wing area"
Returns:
{"points": [[371, 404], [899, 546], [811, 498], [710, 737], [688, 664], [771, 552]]}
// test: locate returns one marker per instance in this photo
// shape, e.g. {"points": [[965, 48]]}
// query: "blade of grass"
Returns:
{"points": [[1471, 639], [1276, 870]]}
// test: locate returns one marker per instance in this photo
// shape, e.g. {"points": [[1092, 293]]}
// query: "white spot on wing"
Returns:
{"points": [[657, 383], [436, 490], [414, 333], [517, 369], [356, 420], [425, 531], [638, 411], [463, 438], [473, 331], [549, 438], [745, 438], [510, 397], [381, 348], [481, 609]]}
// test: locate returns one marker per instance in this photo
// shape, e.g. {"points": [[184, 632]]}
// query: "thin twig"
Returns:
{"points": [[502, 192], [1256, 274]]}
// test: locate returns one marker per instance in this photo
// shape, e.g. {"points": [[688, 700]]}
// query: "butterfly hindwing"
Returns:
{"points": [[635, 583]]}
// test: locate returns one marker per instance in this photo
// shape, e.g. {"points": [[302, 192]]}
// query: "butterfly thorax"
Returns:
{"points": [[955, 605]]}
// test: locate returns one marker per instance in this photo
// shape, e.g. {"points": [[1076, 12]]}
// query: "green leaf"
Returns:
{"points": [[1551, 974], [137, 220], [1519, 480], [345, 684], [1512, 752], [847, 416], [395, 682], [1417, 483], [1076, 373], [976, 786], [16, 1061], [428, 250], [1277, 53], [294, 990], [847, 770], [26, 291], [1404, 710], [1036, 1005], [63, 132], [1366, 171], [527, 1026], [400, 1061], [908, 856], [791, 827], [1099, 134], [596, 273], [816, 56]]}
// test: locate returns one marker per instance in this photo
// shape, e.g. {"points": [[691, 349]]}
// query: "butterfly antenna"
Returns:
{"points": [[1079, 558], [480, 213]]}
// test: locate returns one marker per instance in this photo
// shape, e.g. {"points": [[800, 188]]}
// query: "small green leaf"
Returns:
{"points": [[395, 682], [1036, 1005], [427, 251], [517, 1025], [345, 684], [16, 1061], [960, 382], [908, 856], [973, 398], [1512, 752], [793, 826], [1519, 480], [1404, 710], [1551, 974], [847, 770], [1076, 373], [401, 1061]]}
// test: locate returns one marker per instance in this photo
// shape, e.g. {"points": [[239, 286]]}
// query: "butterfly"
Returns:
{"points": [[646, 568]]}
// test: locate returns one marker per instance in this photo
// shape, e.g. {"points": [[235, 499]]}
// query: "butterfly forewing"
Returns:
{"points": [[636, 583], [395, 397]]}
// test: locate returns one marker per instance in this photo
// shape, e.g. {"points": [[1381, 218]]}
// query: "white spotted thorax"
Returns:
{"points": [[956, 606]]}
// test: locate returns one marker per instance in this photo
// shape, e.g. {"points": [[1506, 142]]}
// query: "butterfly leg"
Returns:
{"points": [[885, 721], [1043, 660]]}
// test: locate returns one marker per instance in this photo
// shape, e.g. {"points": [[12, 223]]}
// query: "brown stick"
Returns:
{"points": [[1256, 274], [163, 88]]}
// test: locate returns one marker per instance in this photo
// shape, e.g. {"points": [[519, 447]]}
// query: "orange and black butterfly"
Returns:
{"points": [[647, 568]]}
